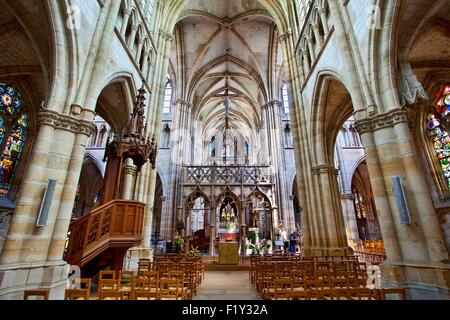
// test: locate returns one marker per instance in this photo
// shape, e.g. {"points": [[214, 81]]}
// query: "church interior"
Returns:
{"points": [[225, 150]]}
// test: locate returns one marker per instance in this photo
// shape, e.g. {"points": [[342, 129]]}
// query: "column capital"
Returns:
{"points": [[382, 121], [324, 169], [286, 35], [166, 35], [130, 170], [67, 122], [273, 103], [347, 196], [182, 103]]}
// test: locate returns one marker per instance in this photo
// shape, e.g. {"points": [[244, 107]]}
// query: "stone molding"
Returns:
{"points": [[165, 35], [285, 35], [129, 170], [381, 121], [273, 103], [65, 122], [181, 103], [347, 196], [324, 169]]}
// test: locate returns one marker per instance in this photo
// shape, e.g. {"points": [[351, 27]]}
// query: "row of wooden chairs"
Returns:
{"points": [[310, 270], [146, 284], [284, 292]]}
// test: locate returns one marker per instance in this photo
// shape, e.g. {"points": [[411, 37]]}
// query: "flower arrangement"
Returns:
{"points": [[178, 242], [257, 246], [194, 252]]}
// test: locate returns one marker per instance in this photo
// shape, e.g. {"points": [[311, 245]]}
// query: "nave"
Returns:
{"points": [[269, 277]]}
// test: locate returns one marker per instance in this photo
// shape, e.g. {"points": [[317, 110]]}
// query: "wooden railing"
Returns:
{"points": [[117, 223]]}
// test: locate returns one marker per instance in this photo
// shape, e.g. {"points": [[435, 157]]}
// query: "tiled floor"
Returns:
{"points": [[226, 285]]}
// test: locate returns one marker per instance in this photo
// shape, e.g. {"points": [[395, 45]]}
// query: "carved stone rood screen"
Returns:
{"points": [[253, 175]]}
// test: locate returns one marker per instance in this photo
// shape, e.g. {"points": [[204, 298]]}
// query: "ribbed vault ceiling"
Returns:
{"points": [[219, 40]]}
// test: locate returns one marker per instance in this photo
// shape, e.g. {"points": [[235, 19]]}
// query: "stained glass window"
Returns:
{"points": [[246, 152], [13, 132], [437, 125], [285, 98], [168, 97]]}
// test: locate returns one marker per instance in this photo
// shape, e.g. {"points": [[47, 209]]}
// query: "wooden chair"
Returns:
{"points": [[77, 294], [107, 274], [36, 294], [111, 295], [398, 293], [282, 288], [300, 295], [145, 295], [126, 281], [170, 289], [81, 283], [364, 294], [108, 286], [332, 294], [148, 285]]}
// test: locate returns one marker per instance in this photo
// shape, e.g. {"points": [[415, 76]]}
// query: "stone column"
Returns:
{"points": [[139, 51], [312, 54], [332, 240], [126, 17], [307, 65], [323, 18], [132, 37], [275, 133], [32, 256], [350, 220], [416, 252], [62, 222], [145, 65], [128, 183], [317, 35], [154, 122]]}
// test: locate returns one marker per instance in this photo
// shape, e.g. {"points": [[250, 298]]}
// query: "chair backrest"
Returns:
{"points": [[107, 274], [281, 287], [364, 294], [108, 285], [332, 294], [145, 295], [126, 279], [300, 295], [393, 294], [77, 294], [170, 289], [111, 295], [81, 283], [36, 293]]}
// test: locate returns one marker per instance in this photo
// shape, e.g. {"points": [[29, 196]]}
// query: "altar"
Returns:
{"points": [[228, 235], [229, 252]]}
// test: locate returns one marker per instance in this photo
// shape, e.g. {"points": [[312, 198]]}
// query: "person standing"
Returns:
{"points": [[293, 242]]}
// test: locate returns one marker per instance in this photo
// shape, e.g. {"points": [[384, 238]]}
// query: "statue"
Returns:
{"points": [[255, 219], [283, 236]]}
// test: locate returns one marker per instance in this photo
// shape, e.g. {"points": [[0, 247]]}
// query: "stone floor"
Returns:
{"points": [[226, 285]]}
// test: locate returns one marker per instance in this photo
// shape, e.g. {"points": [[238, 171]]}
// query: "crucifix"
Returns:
{"points": [[226, 103]]}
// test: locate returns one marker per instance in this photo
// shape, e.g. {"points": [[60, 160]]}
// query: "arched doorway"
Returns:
{"points": [[198, 220], [157, 213], [228, 217], [258, 214], [365, 210], [296, 206]]}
